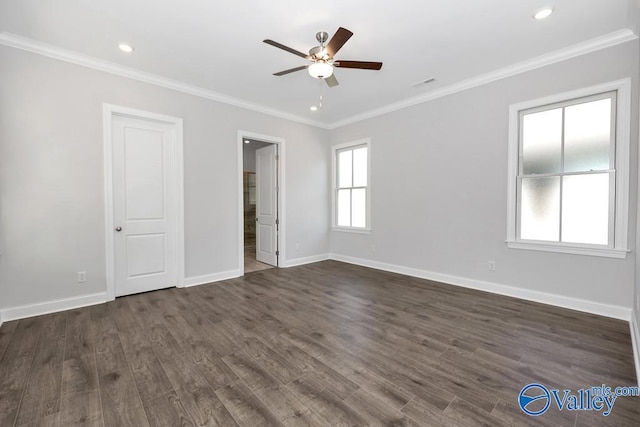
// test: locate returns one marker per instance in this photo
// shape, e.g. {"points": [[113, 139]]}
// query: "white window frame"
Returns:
{"points": [[621, 176], [334, 190]]}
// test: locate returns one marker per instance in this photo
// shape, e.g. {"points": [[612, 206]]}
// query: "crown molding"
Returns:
{"points": [[592, 45], [29, 45]]}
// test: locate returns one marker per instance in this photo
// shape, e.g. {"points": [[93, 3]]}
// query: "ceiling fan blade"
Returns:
{"points": [[331, 80], [291, 70], [287, 48], [338, 40], [363, 65]]}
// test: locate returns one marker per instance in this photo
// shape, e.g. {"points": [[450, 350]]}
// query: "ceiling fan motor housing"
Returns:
{"points": [[318, 52]]}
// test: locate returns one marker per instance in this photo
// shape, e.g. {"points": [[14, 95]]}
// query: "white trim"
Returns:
{"points": [[305, 260], [576, 250], [635, 343], [622, 143], [614, 311], [588, 46], [592, 45], [50, 51], [108, 111], [210, 278], [1, 321], [282, 153], [53, 306], [351, 229]]}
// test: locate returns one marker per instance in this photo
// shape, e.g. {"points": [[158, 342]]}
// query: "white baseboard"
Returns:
{"points": [[304, 260], [614, 311], [210, 278], [0, 318], [635, 343], [54, 306]]}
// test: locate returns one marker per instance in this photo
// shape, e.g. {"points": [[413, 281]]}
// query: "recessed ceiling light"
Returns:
{"points": [[543, 13], [125, 47], [246, 141], [313, 108]]}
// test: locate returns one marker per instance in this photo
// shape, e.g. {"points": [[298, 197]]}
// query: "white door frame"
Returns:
{"points": [[108, 112], [280, 142]]}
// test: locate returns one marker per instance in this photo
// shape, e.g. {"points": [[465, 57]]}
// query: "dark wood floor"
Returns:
{"points": [[323, 344]]}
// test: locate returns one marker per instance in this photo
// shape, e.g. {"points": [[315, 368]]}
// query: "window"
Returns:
{"points": [[568, 162], [351, 186]]}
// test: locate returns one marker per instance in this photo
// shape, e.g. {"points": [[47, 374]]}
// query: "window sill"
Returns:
{"points": [[576, 250], [352, 230]]}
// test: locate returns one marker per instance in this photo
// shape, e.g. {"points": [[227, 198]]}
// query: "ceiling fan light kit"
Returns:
{"points": [[321, 58], [320, 70]]}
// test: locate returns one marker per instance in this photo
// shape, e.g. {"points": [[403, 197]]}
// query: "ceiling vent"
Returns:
{"points": [[423, 82]]}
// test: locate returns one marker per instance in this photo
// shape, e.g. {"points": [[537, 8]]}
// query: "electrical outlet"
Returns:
{"points": [[492, 266], [82, 276]]}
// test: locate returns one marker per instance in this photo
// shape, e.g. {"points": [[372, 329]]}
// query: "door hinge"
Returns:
{"points": [[277, 222], [277, 156], [277, 253]]}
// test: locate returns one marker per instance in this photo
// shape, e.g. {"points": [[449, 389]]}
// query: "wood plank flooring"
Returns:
{"points": [[324, 344]]}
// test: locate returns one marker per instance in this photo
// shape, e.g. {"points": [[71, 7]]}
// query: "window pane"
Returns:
{"points": [[359, 208], [541, 142], [585, 209], [540, 216], [360, 167], [344, 171], [587, 136], [344, 208]]}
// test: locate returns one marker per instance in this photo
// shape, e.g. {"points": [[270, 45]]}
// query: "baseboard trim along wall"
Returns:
{"points": [[616, 312], [210, 278], [38, 309], [304, 260], [54, 306], [635, 343]]}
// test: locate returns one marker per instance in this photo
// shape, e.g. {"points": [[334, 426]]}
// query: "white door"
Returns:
{"points": [[144, 205], [267, 205]]}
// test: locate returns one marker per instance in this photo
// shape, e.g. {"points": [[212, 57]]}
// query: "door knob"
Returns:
{"points": [[118, 228]]}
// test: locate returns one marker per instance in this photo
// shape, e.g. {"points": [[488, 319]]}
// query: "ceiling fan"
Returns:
{"points": [[321, 57]]}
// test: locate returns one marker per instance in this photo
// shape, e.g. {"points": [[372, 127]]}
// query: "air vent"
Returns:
{"points": [[423, 82]]}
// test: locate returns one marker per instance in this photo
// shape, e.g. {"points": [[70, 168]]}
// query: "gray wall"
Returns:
{"points": [[52, 186], [249, 158], [439, 186]]}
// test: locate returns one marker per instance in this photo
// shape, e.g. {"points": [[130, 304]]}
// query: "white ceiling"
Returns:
{"points": [[217, 44]]}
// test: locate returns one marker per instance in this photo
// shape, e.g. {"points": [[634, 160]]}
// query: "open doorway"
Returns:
{"points": [[260, 204]]}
